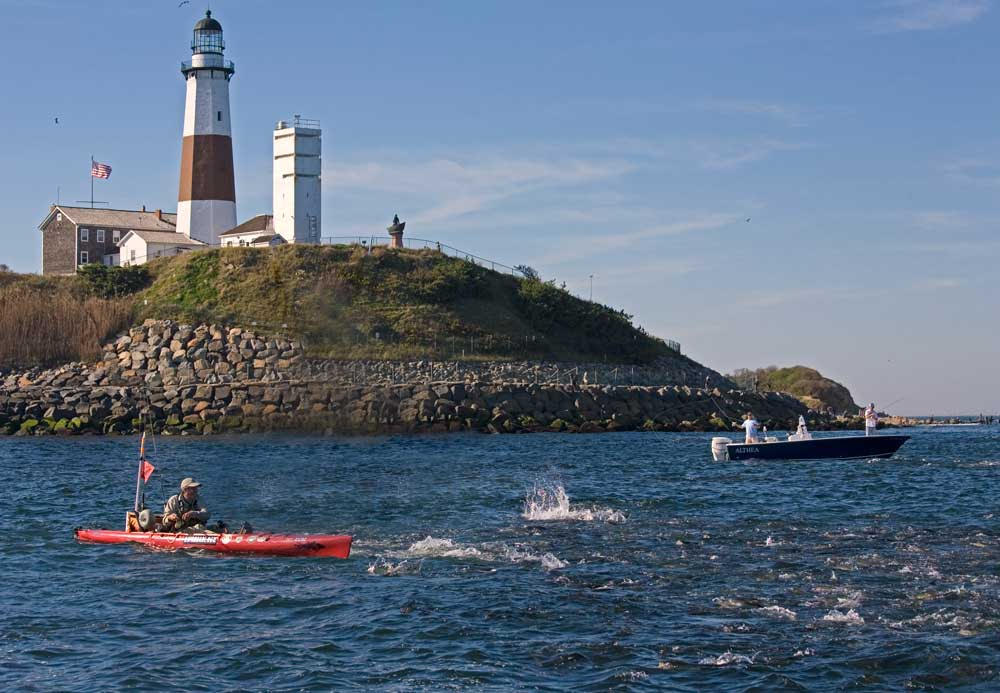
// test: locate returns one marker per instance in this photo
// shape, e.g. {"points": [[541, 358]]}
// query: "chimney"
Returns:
{"points": [[159, 215], [144, 208]]}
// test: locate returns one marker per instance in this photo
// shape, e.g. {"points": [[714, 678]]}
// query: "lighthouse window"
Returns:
{"points": [[218, 116]]}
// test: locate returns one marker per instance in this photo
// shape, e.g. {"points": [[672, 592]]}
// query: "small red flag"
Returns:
{"points": [[147, 471]]}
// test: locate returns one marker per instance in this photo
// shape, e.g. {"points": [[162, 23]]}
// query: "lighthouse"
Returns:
{"points": [[206, 203]]}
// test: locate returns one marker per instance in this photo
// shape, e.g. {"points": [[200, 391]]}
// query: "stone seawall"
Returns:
{"points": [[164, 353], [320, 407], [209, 379]]}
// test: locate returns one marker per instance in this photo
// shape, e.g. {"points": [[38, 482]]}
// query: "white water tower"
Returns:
{"points": [[298, 180]]}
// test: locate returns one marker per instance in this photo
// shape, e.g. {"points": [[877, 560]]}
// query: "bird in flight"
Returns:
{"points": [[184, 2], [57, 120], [748, 218]]}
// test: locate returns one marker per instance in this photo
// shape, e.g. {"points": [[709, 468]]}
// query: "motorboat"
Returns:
{"points": [[853, 447]]}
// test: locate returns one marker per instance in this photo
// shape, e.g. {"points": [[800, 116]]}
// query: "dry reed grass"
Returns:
{"points": [[47, 325]]}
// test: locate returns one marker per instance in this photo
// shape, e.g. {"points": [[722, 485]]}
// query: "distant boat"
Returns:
{"points": [[832, 448]]}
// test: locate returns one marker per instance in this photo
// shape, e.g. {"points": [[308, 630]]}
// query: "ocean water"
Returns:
{"points": [[536, 562]]}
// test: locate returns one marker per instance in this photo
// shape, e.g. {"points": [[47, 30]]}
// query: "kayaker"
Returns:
{"points": [[183, 511]]}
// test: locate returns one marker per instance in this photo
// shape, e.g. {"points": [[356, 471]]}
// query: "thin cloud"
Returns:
{"points": [[982, 172], [947, 220], [928, 15], [785, 113], [601, 244], [452, 188], [969, 248], [721, 157], [938, 283]]}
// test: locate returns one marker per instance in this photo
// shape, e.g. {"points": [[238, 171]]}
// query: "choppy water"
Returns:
{"points": [[620, 561]]}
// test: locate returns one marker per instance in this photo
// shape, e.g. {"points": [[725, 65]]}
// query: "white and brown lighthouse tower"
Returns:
{"points": [[206, 204]]}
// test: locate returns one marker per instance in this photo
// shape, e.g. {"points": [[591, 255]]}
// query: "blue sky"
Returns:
{"points": [[629, 141]]}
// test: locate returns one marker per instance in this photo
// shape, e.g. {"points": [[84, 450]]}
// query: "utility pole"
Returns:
{"points": [[591, 288]]}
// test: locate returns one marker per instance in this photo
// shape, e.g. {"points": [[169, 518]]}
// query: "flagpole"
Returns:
{"points": [[92, 184], [138, 478]]}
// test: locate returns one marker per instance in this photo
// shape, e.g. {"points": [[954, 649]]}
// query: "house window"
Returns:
{"points": [[84, 257], [100, 235], [84, 235], [58, 216], [131, 255], [229, 243], [116, 236]]}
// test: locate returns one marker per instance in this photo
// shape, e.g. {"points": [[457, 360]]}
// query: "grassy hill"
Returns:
{"points": [[341, 301], [807, 384], [349, 302]]}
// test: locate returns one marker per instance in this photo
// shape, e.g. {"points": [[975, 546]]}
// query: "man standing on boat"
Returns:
{"points": [[183, 511], [750, 426], [871, 420]]}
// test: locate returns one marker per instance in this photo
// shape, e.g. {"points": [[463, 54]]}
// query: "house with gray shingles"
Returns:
{"points": [[75, 236]]}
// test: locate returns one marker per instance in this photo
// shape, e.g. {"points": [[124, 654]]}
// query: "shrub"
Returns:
{"points": [[113, 282]]}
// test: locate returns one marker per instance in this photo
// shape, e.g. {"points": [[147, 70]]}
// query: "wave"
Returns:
{"points": [[549, 501], [442, 548], [725, 659], [777, 612], [387, 568], [851, 618], [433, 547]]}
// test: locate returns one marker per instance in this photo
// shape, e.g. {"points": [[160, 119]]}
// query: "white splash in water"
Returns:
{"points": [[432, 547], [777, 612], [548, 561], [851, 601], [389, 569], [546, 502], [445, 548], [725, 659], [851, 618], [771, 542]]}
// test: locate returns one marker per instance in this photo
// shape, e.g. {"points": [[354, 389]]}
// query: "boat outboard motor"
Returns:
{"points": [[146, 520], [719, 451]]}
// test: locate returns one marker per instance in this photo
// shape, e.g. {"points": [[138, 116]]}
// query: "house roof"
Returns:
{"points": [[122, 218], [261, 222], [169, 237], [265, 239]]}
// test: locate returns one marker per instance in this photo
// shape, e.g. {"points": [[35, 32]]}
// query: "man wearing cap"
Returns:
{"points": [[183, 511]]}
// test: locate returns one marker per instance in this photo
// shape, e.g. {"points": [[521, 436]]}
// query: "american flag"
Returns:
{"points": [[99, 170]]}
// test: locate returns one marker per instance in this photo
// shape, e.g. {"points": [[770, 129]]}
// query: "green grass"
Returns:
{"points": [[807, 384], [348, 302]]}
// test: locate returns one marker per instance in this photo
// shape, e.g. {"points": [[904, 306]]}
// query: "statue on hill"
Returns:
{"points": [[396, 232]]}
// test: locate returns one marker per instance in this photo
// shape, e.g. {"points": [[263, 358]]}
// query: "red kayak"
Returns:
{"points": [[318, 545]]}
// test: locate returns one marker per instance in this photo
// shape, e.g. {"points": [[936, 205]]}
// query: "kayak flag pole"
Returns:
{"points": [[145, 471]]}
